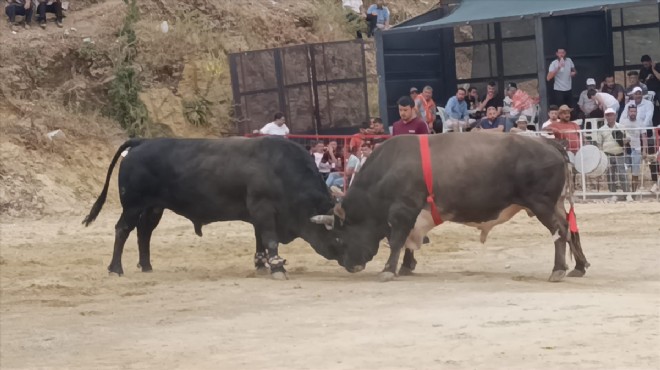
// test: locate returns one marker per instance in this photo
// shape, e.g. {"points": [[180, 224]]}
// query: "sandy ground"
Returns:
{"points": [[469, 306]]}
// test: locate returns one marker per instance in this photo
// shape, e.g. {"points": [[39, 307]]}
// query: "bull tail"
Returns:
{"points": [[96, 208]]}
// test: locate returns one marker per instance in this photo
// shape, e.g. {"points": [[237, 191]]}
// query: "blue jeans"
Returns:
{"points": [[13, 10], [335, 179]]}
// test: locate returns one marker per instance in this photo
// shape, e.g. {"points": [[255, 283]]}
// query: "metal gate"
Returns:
{"points": [[321, 88]]}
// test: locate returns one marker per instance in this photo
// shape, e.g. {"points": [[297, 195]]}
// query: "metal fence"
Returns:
{"points": [[615, 173], [616, 164], [321, 88]]}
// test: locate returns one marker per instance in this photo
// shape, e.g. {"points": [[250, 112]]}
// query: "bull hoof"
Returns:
{"points": [[576, 273], [557, 276], [115, 270], [386, 276], [146, 268], [279, 275], [405, 271], [262, 270]]}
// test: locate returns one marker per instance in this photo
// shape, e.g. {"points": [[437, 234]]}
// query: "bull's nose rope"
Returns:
{"points": [[428, 177]]}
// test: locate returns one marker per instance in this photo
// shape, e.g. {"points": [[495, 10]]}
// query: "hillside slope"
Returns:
{"points": [[58, 79]]}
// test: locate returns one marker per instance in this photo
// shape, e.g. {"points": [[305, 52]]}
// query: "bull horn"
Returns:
{"points": [[323, 220]]}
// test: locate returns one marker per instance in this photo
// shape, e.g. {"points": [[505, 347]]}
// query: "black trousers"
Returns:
{"points": [[13, 10], [55, 8]]}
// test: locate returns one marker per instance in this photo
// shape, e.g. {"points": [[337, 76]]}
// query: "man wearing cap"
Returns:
{"points": [[644, 108], [633, 82], [588, 107], [638, 142], [611, 140], [645, 111], [521, 127], [566, 131], [562, 70]]}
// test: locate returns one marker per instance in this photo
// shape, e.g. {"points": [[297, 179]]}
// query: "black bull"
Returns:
{"points": [[269, 182], [479, 179]]}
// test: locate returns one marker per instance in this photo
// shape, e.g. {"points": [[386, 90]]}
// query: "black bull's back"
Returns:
{"points": [[270, 182], [479, 179]]}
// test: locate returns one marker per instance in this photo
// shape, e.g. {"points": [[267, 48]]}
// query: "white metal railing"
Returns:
{"points": [[619, 174]]}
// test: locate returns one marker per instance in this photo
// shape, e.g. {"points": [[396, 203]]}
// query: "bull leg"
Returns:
{"points": [[558, 227], [127, 222], [260, 256], [263, 219], [409, 263], [402, 220], [145, 227]]}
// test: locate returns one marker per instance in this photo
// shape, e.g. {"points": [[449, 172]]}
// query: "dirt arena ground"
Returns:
{"points": [[469, 306]]}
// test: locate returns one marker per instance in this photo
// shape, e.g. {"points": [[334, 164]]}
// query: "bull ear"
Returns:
{"points": [[339, 212], [326, 220]]}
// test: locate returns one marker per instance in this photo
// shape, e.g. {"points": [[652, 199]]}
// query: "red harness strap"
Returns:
{"points": [[572, 220], [428, 176]]}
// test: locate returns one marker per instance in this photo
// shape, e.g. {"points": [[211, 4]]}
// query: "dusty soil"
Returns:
{"points": [[469, 306]]}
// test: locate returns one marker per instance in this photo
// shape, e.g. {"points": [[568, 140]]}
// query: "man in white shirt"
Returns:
{"points": [[644, 108], [638, 148], [277, 127], [355, 13], [611, 141], [562, 70], [603, 100], [588, 106], [553, 116]]}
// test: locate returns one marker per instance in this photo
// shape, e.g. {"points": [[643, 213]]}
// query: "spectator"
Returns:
{"points": [[633, 82], [611, 140], [425, 106], [553, 116], [408, 124], [645, 108], [19, 7], [645, 111], [327, 164], [492, 122], [521, 127], [519, 104], [566, 131], [377, 127], [457, 111], [491, 99], [588, 107], [337, 178], [378, 16], [473, 103], [562, 70], [616, 90], [354, 13], [317, 149], [49, 6], [603, 100], [637, 140], [277, 127], [414, 93], [357, 139], [650, 75]]}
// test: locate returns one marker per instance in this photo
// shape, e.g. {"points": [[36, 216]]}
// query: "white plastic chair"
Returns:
{"points": [[440, 111]]}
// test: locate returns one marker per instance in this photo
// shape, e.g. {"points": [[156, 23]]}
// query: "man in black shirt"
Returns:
{"points": [[650, 75], [491, 99]]}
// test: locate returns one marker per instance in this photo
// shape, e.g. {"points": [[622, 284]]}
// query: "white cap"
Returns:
{"points": [[591, 81], [610, 111], [635, 89]]}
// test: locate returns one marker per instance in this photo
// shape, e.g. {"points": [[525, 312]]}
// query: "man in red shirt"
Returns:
{"points": [[565, 130], [408, 124]]}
